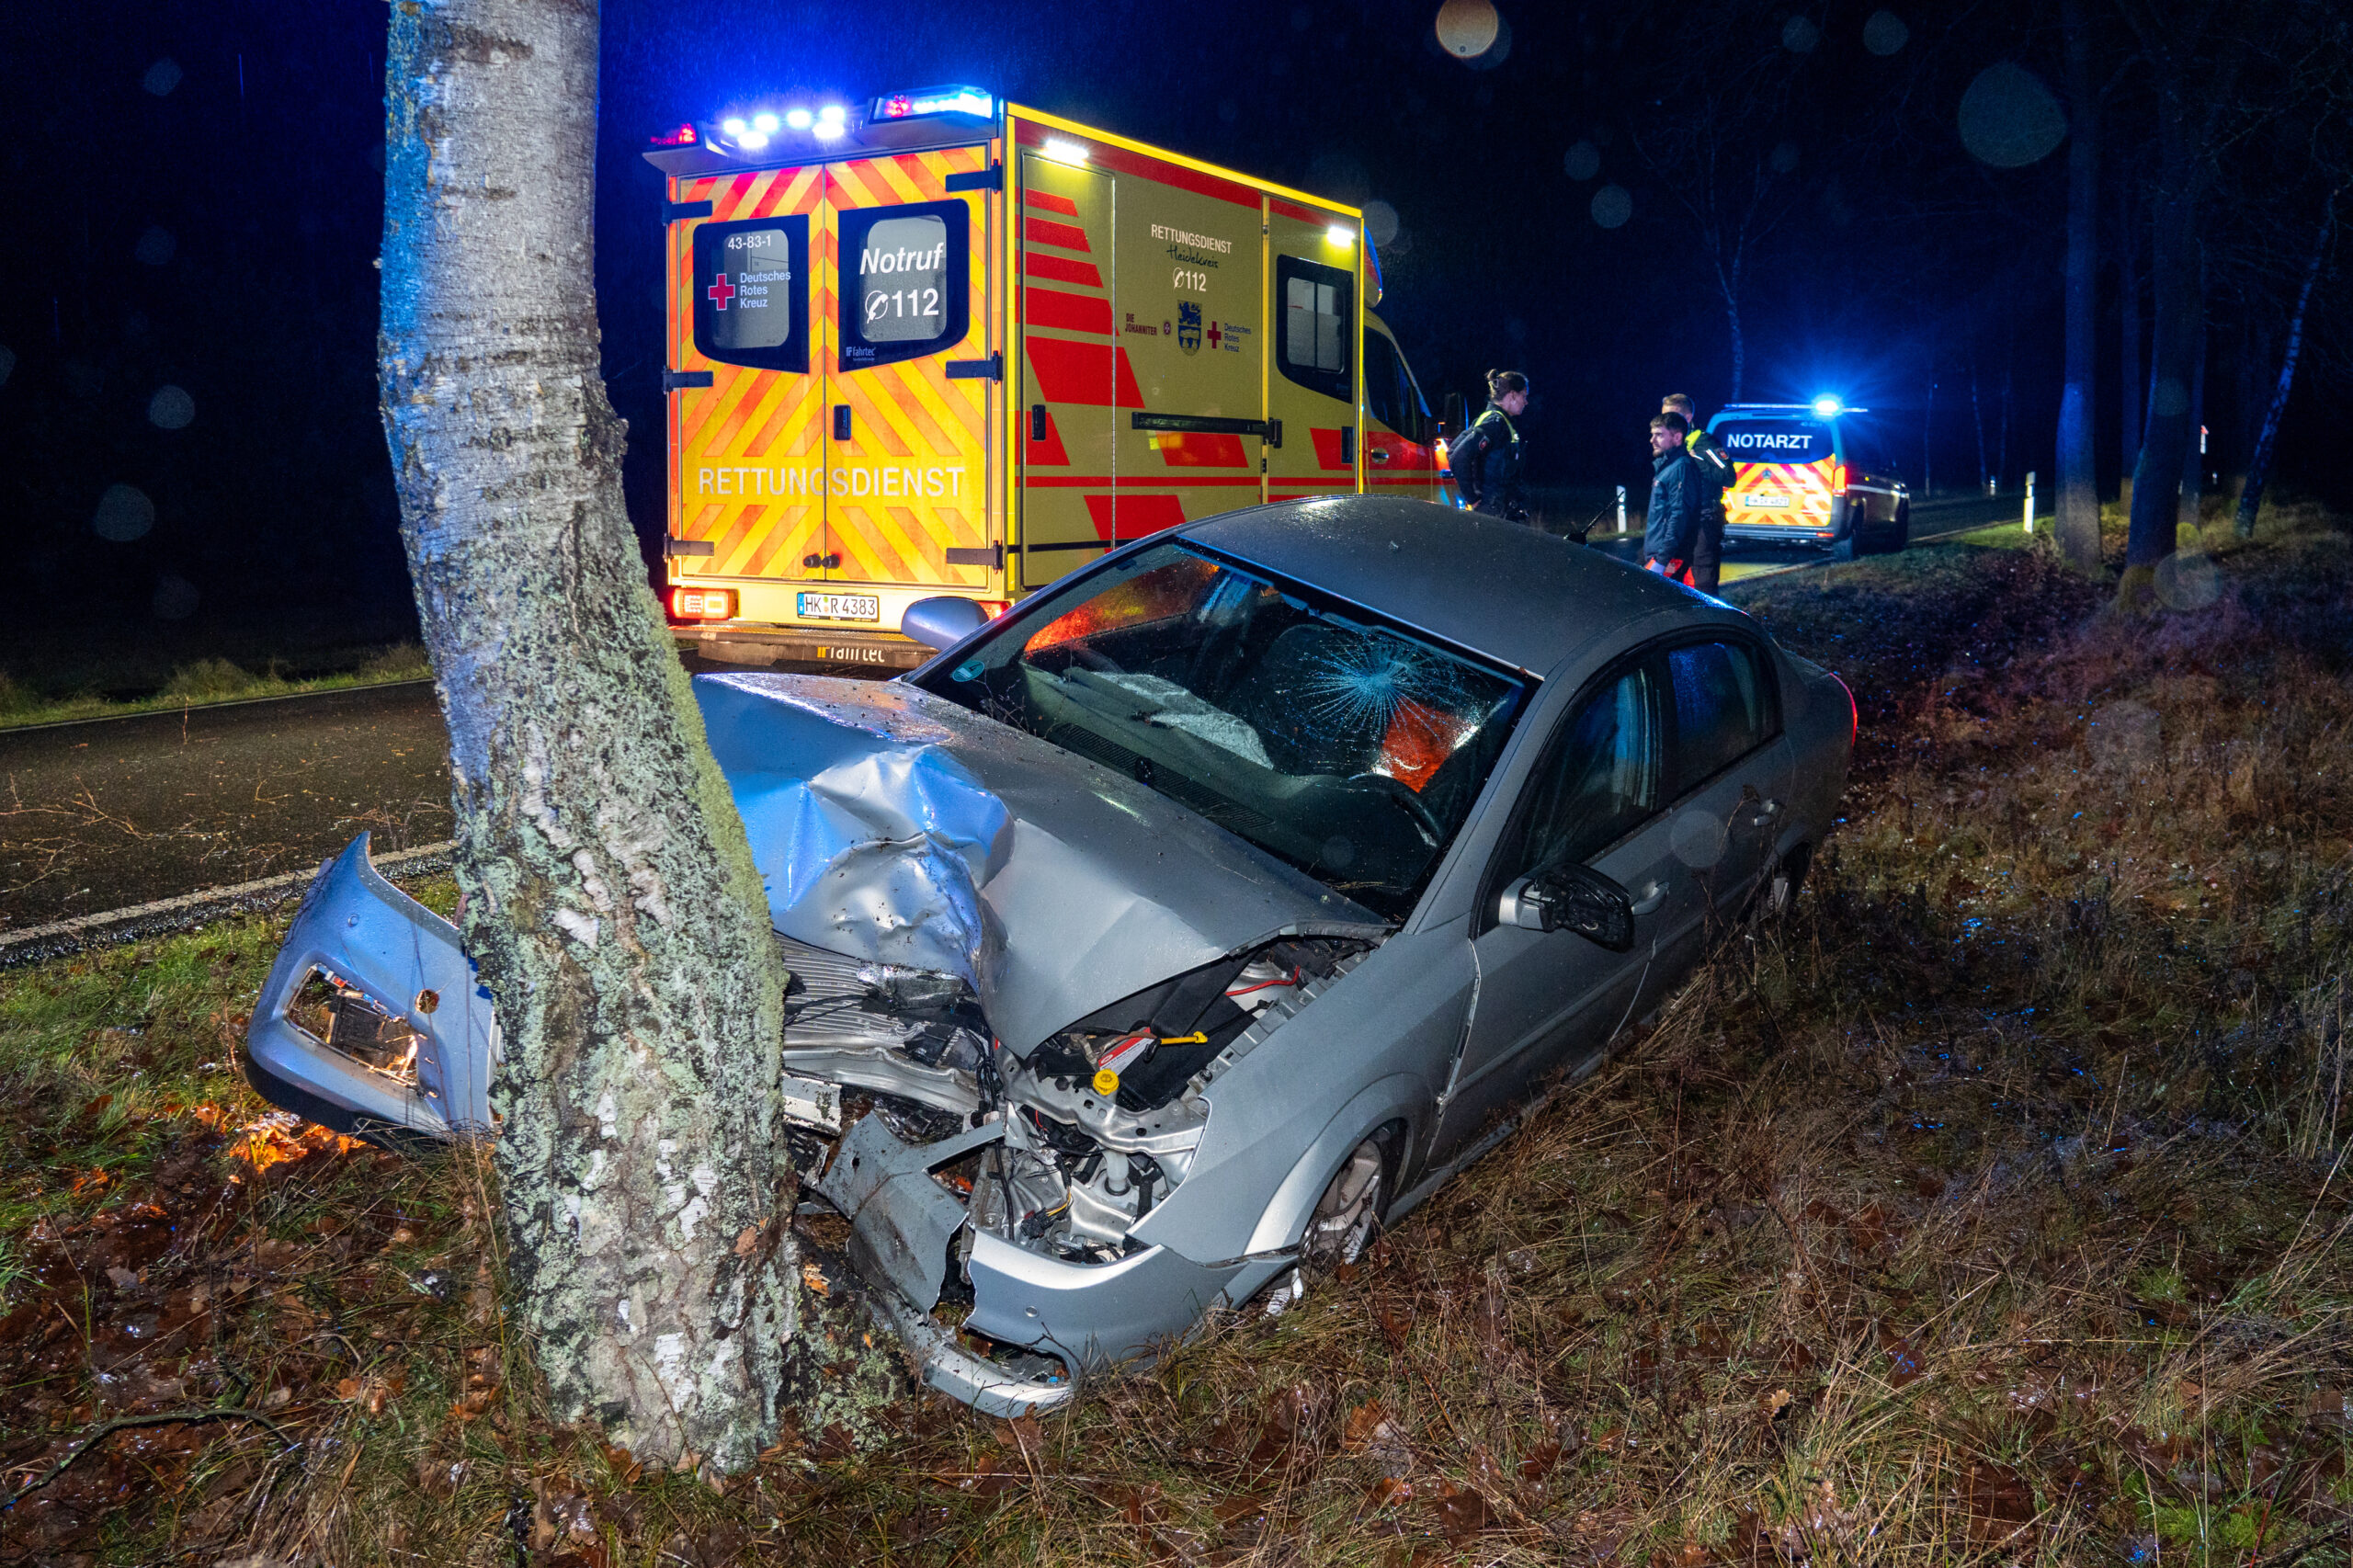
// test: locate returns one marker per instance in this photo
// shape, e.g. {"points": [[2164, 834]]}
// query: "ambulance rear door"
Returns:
{"points": [[1312, 380], [1784, 473], [903, 277], [1400, 456], [746, 409]]}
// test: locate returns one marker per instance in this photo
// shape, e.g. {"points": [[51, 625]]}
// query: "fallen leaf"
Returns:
{"points": [[1462, 1512], [1774, 1402]]}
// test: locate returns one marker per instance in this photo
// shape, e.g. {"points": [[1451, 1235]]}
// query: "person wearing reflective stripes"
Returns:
{"points": [[1713, 471], [1671, 527], [1485, 459]]}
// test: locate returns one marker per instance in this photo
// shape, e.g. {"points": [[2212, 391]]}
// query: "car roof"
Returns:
{"points": [[1517, 595]]}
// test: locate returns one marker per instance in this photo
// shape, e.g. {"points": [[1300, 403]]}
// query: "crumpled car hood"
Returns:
{"points": [[893, 826]]}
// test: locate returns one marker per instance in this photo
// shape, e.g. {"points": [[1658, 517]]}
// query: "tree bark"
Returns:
{"points": [[610, 898], [2259, 467], [2193, 460], [2174, 269], [2132, 389], [2077, 512]]}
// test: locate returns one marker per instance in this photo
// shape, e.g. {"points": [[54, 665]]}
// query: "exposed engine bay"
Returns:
{"points": [[1085, 1133]]}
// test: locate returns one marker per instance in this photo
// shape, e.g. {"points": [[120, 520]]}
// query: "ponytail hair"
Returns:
{"points": [[1500, 382]]}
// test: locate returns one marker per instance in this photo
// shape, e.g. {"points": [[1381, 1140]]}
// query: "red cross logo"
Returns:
{"points": [[721, 291], [1214, 334]]}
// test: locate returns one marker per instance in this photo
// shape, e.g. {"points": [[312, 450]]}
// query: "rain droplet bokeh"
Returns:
{"points": [[1798, 35], [1612, 205], [162, 77], [1583, 161], [124, 514], [1380, 221], [157, 247], [170, 408], [2009, 119], [1784, 158], [1884, 33], [1468, 28]]}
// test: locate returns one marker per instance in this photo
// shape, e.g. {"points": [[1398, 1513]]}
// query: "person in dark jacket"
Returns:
{"points": [[1671, 527], [1711, 466], [1485, 457]]}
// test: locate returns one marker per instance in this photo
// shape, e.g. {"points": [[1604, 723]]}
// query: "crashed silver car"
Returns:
{"points": [[1186, 923]]}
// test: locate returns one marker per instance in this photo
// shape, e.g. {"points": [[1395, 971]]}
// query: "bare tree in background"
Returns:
{"points": [[2259, 467], [2077, 513], [611, 897]]}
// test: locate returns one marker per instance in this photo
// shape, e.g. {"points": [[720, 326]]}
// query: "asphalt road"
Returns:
{"points": [[118, 812], [112, 813]]}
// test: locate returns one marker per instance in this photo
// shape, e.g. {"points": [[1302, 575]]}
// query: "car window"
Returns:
{"points": [[904, 290], [1382, 392], [1319, 309], [1351, 747], [1720, 714], [1774, 440], [1602, 780], [752, 293]]}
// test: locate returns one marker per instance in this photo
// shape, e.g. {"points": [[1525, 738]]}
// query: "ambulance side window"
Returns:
{"points": [[906, 286], [1319, 313], [751, 298]]}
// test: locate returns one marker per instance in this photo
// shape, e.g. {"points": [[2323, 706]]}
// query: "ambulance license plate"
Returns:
{"points": [[840, 607], [1758, 502]]}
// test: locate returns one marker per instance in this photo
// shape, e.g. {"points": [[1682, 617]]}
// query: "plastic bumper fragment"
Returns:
{"points": [[901, 1221], [366, 933], [1090, 1315]]}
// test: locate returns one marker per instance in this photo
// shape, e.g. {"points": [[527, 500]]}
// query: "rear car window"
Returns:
{"points": [[751, 283], [1602, 781], [904, 289], [1774, 440], [1721, 708]]}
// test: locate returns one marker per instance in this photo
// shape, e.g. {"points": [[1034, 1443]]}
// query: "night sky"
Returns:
{"points": [[187, 311]]}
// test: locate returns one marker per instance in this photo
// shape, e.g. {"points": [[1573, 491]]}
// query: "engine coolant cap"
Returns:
{"points": [[1106, 1083]]}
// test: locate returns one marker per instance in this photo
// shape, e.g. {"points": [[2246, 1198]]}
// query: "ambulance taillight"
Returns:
{"points": [[702, 603], [994, 608]]}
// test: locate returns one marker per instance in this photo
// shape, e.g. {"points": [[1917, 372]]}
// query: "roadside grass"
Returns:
{"points": [[1986, 1208], [202, 681]]}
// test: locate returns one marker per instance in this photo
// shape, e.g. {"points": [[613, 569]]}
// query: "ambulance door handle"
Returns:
{"points": [[841, 422], [1038, 422], [1377, 454]]}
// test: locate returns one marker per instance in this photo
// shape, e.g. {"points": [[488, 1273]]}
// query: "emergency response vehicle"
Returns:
{"points": [[942, 344], [1809, 473]]}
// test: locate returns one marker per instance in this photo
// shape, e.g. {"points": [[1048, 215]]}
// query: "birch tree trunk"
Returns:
{"points": [[2259, 467], [2077, 520], [610, 898], [2132, 389]]}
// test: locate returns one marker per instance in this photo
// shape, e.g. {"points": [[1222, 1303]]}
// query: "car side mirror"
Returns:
{"points": [[942, 621], [1572, 898], [1455, 416]]}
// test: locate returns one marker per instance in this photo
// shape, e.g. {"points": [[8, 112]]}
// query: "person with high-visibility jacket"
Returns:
{"points": [[1713, 473], [1487, 458]]}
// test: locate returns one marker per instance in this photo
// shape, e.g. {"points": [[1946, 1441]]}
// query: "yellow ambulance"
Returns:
{"points": [[937, 343]]}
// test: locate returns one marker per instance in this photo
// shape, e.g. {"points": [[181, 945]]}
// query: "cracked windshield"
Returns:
{"points": [[1349, 749]]}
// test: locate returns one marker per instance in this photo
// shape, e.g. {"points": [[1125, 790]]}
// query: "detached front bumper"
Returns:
{"points": [[357, 933]]}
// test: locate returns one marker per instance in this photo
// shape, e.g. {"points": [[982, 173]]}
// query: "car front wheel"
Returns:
{"points": [[1349, 1211]]}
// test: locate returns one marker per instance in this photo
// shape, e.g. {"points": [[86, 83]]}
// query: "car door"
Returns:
{"points": [[1545, 999], [1730, 764]]}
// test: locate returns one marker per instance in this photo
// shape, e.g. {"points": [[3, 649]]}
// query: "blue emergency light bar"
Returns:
{"points": [[934, 100], [1824, 407]]}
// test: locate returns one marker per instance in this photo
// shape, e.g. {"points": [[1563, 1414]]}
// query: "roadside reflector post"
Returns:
{"points": [[2029, 500], [1622, 508]]}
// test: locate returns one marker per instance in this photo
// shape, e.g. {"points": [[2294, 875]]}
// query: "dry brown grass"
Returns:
{"points": [[1987, 1208]]}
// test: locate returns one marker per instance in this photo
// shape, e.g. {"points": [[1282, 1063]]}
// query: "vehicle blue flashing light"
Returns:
{"points": [[734, 125], [1827, 406], [764, 124], [799, 119]]}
